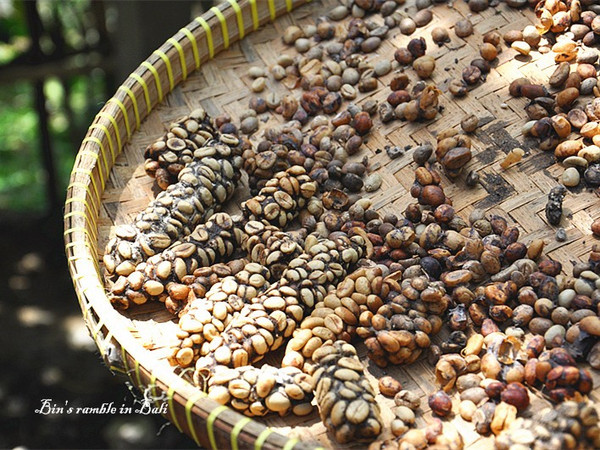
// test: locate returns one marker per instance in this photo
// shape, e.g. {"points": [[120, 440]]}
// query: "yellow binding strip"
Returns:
{"points": [[209, 39], [91, 234], [262, 437], [219, 15], [210, 422], [117, 369], [88, 258], [272, 9], [140, 80], [85, 244], [75, 258], [99, 126], [235, 432], [194, 43], [138, 376], [125, 364], [134, 102], [179, 49], [86, 287], [76, 213], [289, 445], [153, 384], [125, 115], [87, 189], [97, 328], [85, 203], [78, 230], [173, 415], [75, 244], [289, 4], [89, 174], [240, 17], [154, 72], [95, 333], [114, 124], [255, 21], [167, 62], [188, 414], [94, 155]]}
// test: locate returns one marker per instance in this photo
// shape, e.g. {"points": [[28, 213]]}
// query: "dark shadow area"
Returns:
{"points": [[47, 353]]}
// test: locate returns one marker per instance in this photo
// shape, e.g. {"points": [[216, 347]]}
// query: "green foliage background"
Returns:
{"points": [[71, 104]]}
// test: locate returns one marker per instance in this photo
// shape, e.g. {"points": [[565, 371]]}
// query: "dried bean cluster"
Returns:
{"points": [[167, 156], [163, 276], [257, 391], [278, 311], [202, 187], [168, 276], [205, 317], [345, 397], [350, 274], [570, 425]]}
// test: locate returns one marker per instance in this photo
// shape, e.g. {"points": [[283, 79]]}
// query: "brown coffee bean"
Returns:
{"points": [[566, 97], [458, 88], [362, 123], [488, 52], [512, 36], [456, 158], [389, 386], [440, 403], [440, 35], [457, 277], [471, 75], [407, 26], [408, 399], [596, 227], [424, 66], [423, 17], [399, 82], [560, 75], [469, 123], [516, 394], [417, 47], [492, 37], [403, 56], [463, 28], [478, 5]]}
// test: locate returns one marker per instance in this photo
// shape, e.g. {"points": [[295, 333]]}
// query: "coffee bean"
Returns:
{"points": [[463, 28], [373, 182], [338, 13], [592, 174], [383, 67], [570, 177]]}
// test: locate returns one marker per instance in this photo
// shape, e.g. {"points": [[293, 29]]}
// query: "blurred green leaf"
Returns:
{"points": [[71, 104]]}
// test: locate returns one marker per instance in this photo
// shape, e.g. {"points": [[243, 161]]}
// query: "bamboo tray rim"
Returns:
{"points": [[118, 124], [189, 409]]}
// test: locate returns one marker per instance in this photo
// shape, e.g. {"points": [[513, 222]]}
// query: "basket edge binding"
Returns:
{"points": [[189, 409]]}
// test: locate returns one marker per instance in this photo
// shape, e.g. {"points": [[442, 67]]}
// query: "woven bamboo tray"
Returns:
{"points": [[109, 187]]}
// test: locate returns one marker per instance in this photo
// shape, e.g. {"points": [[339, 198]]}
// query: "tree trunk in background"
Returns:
{"points": [[142, 27]]}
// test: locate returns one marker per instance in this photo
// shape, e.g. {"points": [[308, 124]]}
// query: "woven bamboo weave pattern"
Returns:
{"points": [[114, 125], [109, 186]]}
